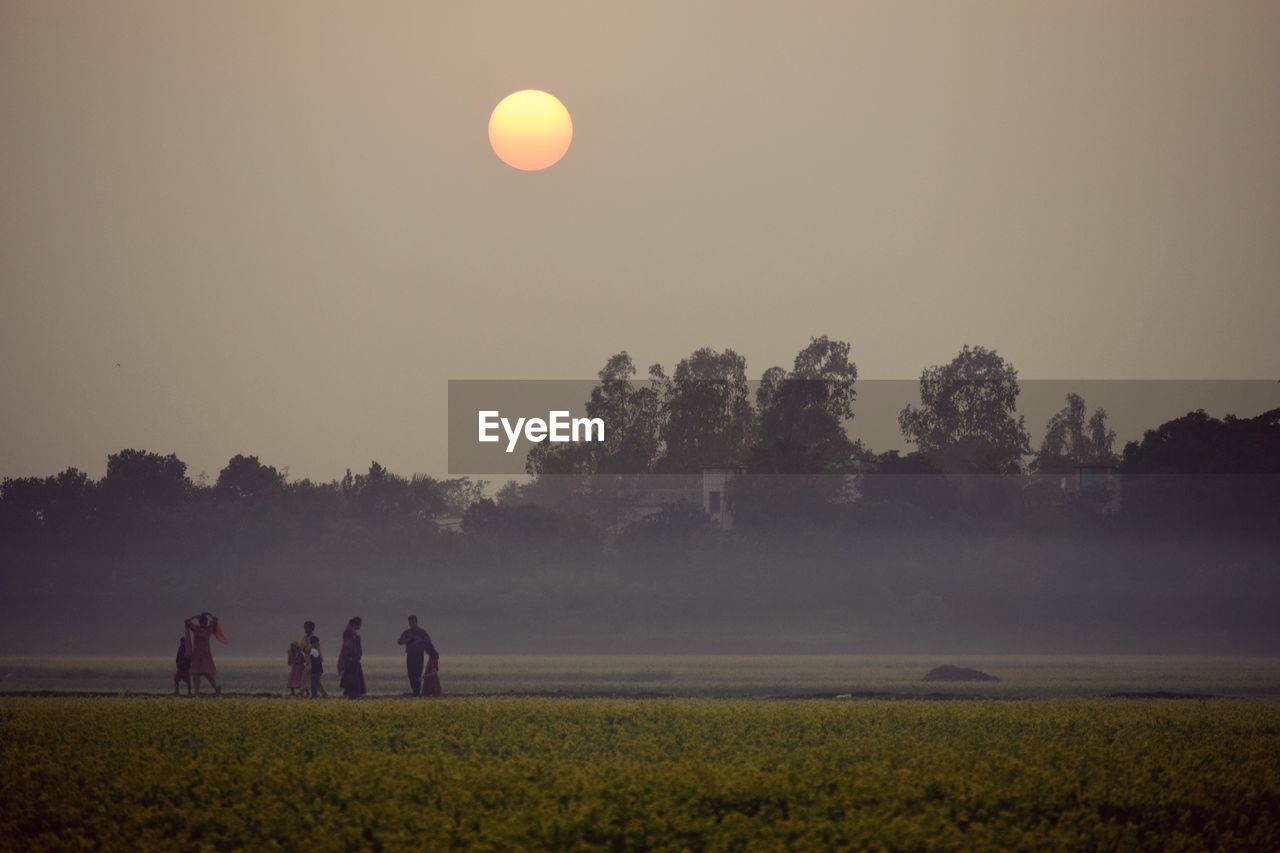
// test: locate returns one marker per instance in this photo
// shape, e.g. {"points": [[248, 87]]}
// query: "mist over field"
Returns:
{"points": [[884, 593], [872, 576], [714, 518]]}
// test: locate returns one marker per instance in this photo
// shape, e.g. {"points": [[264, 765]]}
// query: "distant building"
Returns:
{"points": [[715, 485], [1085, 479], [651, 493], [1091, 476]]}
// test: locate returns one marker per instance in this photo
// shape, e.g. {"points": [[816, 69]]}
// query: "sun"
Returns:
{"points": [[530, 130]]}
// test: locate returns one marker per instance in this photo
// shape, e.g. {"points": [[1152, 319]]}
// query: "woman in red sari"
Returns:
{"points": [[199, 630], [350, 672]]}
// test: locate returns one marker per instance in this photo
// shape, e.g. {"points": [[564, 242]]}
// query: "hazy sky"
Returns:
{"points": [[284, 221]]}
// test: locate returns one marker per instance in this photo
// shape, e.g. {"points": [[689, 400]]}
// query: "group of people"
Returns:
{"points": [[306, 664], [194, 659]]}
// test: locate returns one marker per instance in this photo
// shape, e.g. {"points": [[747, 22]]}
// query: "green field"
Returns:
{"points": [[629, 774], [693, 676]]}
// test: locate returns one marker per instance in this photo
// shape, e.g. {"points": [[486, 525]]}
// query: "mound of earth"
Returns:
{"points": [[957, 673]]}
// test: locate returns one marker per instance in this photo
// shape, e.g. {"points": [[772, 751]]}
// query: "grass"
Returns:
{"points": [[693, 676]]}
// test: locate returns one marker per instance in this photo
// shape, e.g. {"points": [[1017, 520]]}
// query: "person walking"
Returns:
{"points": [[182, 664], [431, 688], [199, 630], [296, 657], [317, 668], [350, 671], [417, 645], [309, 632]]}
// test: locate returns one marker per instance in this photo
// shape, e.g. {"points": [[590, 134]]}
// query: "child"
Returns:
{"points": [[317, 667], [297, 660], [431, 689], [183, 672]]}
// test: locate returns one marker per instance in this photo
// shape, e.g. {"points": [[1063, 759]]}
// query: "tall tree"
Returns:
{"points": [[634, 417], [709, 418], [803, 413], [1071, 439], [967, 419], [632, 413]]}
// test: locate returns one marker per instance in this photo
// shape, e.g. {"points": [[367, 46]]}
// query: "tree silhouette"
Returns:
{"points": [[1197, 472], [1070, 440], [136, 478], [245, 477], [802, 414], [1197, 443], [966, 421], [58, 507], [634, 417], [709, 418]]}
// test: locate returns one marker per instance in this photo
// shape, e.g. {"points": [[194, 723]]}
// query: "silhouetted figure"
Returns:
{"points": [[199, 630], [182, 662], [431, 689], [316, 667], [417, 644], [350, 671], [297, 660], [308, 631]]}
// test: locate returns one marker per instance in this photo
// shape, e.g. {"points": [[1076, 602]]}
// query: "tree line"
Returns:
{"points": [[703, 413], [966, 428], [964, 541]]}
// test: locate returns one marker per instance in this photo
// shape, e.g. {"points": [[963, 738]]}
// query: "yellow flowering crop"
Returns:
{"points": [[503, 774]]}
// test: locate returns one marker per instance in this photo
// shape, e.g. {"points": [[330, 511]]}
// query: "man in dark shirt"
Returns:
{"points": [[417, 644]]}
